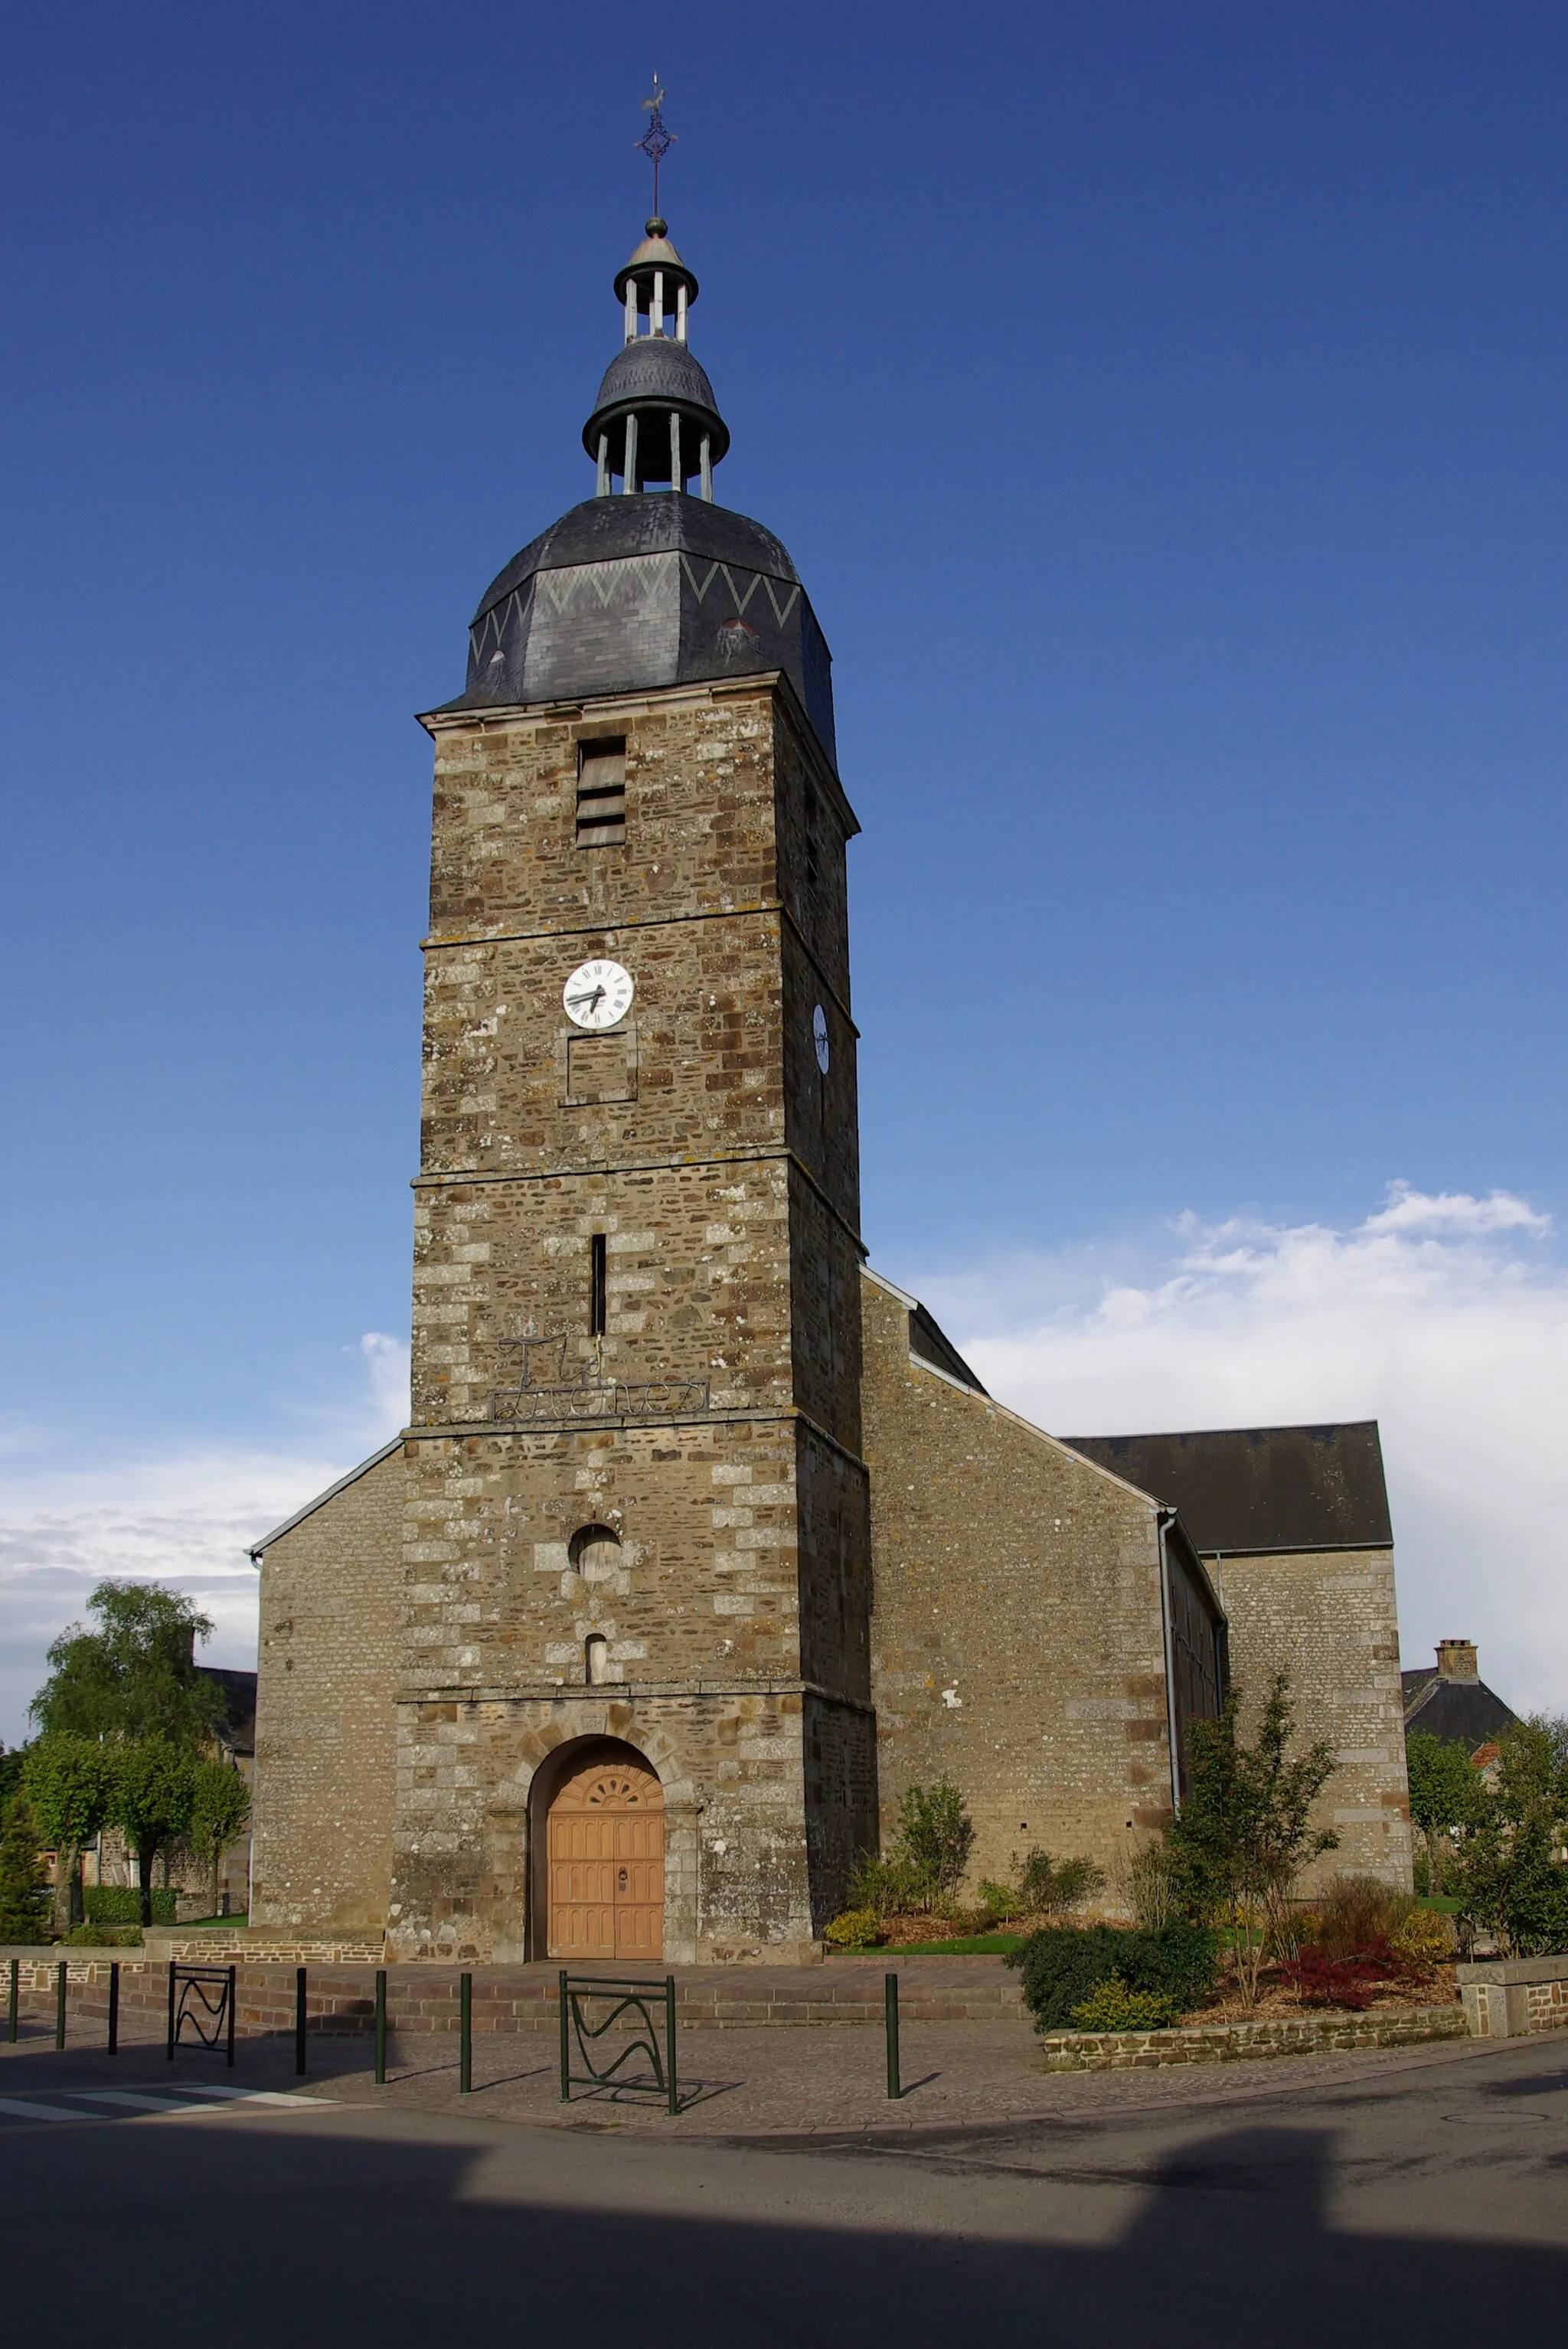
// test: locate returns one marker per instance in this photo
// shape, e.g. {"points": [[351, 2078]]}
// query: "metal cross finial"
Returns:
{"points": [[655, 141]]}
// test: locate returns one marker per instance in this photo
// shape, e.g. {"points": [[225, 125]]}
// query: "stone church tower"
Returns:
{"points": [[636, 1519], [581, 1664]]}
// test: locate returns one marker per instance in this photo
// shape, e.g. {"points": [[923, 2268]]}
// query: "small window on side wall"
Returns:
{"points": [[602, 793]]}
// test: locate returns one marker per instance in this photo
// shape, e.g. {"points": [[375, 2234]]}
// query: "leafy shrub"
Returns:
{"points": [[934, 1836], [889, 1886], [1000, 1904], [120, 1904], [105, 1937], [854, 1929], [1062, 1963], [1422, 1942], [1319, 1980], [1149, 1880], [1111, 2006], [1352, 1913], [924, 1862], [1048, 1886]]}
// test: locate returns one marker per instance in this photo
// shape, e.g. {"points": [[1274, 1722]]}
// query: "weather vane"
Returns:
{"points": [[655, 141]]}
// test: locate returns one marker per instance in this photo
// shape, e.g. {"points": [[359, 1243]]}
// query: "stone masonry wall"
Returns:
{"points": [[1330, 1620], [704, 1142], [325, 1719], [1017, 1637]]}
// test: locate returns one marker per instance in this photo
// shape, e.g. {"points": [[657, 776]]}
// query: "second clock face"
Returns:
{"points": [[597, 994]]}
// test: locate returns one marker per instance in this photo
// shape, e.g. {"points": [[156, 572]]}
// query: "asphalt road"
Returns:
{"points": [[1424, 2204]]}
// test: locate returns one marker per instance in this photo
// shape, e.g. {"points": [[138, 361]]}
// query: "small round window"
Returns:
{"points": [[820, 1038]]}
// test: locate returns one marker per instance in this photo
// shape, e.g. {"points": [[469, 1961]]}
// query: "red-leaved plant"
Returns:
{"points": [[1351, 1982]]}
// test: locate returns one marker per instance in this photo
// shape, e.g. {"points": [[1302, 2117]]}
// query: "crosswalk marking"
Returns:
{"points": [[193, 2098], [139, 2103]]}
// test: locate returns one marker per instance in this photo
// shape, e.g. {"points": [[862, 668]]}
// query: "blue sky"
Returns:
{"points": [[1163, 405]]}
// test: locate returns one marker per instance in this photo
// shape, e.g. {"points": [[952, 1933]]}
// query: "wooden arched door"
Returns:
{"points": [[606, 1847]]}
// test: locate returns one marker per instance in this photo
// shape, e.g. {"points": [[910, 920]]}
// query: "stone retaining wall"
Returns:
{"points": [[340, 1999], [1506, 1998], [1231, 2043]]}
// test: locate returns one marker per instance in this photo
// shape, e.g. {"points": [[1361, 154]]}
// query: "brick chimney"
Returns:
{"points": [[1456, 1660]]}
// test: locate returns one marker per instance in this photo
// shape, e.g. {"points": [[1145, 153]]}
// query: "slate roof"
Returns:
{"points": [[654, 522], [239, 1701], [630, 594], [1462, 1713], [1256, 1489], [929, 1342]]}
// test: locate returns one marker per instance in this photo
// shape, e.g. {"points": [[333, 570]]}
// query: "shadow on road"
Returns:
{"points": [[325, 2233]]}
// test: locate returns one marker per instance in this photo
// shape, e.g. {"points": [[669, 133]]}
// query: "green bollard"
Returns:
{"points": [[299, 2021], [464, 2034], [890, 2011], [565, 2047], [674, 2096], [114, 2006], [381, 2026], [11, 2032], [60, 2004]]}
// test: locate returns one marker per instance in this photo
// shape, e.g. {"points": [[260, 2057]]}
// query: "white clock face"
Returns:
{"points": [[819, 1037], [597, 994]]}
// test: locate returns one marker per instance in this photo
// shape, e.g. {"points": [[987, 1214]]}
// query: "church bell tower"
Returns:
{"points": [[633, 1705]]}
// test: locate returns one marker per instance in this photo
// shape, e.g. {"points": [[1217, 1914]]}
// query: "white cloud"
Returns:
{"points": [[185, 1519], [1443, 1317]]}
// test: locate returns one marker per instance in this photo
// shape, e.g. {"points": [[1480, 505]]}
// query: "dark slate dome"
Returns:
{"points": [[650, 587], [603, 529], [631, 593], [660, 374]]}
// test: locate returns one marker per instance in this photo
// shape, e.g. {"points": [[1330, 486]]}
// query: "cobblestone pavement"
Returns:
{"points": [[809, 2081], [824, 2081]]}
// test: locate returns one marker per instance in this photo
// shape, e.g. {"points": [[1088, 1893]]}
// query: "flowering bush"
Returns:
{"points": [[1111, 2006], [856, 1929]]}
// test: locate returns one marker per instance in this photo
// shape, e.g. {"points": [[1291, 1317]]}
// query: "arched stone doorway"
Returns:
{"points": [[604, 1856]]}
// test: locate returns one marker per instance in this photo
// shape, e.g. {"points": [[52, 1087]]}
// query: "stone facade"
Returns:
{"points": [[655, 1531], [1019, 1629], [325, 1721], [675, 1481], [1330, 1621]]}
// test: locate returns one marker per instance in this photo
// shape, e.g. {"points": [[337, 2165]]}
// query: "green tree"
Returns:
{"points": [[152, 1802], [24, 1880], [220, 1813], [1508, 1870], [69, 1783], [1448, 1794], [935, 1834], [134, 1675], [1244, 1832], [12, 1759]]}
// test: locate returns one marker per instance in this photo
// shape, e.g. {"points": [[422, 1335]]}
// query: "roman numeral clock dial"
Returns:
{"points": [[597, 995]]}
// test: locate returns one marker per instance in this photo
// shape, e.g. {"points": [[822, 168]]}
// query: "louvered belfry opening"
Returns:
{"points": [[602, 794]]}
